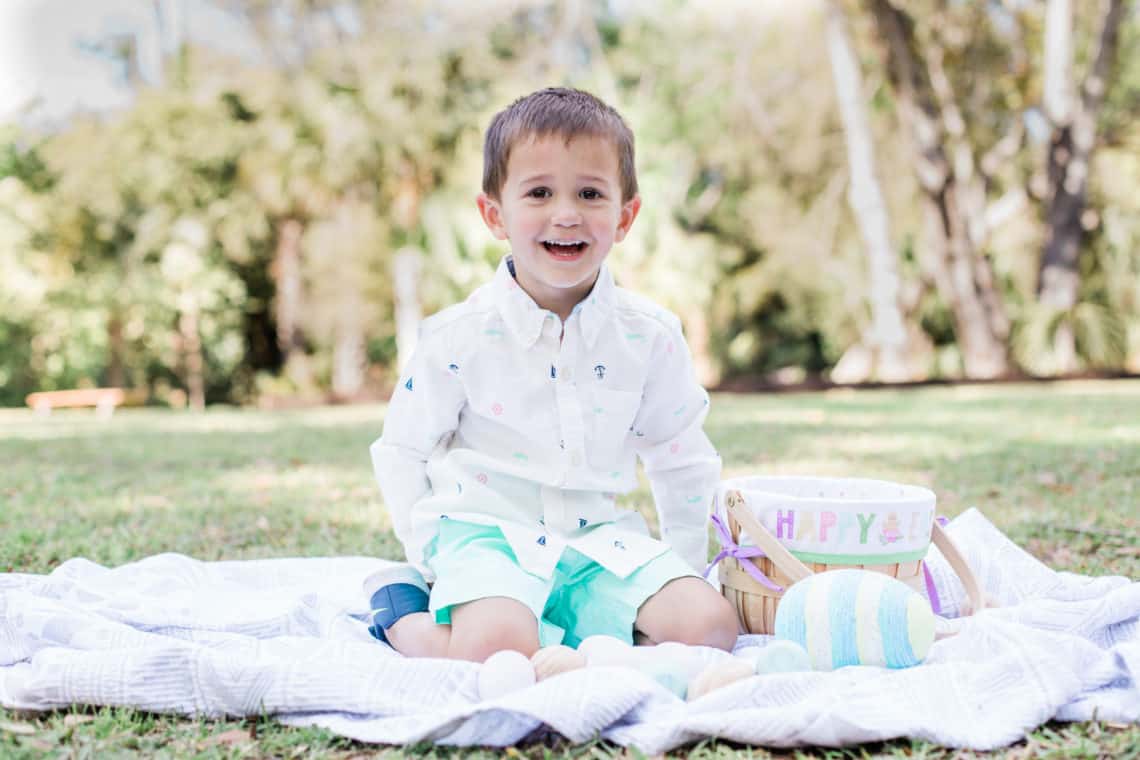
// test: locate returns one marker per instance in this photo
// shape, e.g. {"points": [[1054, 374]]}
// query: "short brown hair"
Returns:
{"points": [[560, 111]]}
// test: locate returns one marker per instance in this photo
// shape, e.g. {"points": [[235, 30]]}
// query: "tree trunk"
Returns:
{"points": [[286, 271], [193, 361], [887, 337], [348, 339], [954, 199], [1069, 159], [406, 267], [116, 348], [348, 347], [697, 335]]}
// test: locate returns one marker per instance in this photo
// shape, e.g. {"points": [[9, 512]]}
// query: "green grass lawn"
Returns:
{"points": [[1055, 466]]}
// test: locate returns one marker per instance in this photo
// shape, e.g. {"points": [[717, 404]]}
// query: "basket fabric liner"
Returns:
{"points": [[288, 637]]}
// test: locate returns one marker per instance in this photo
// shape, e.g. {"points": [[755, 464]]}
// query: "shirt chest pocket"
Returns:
{"points": [[608, 414]]}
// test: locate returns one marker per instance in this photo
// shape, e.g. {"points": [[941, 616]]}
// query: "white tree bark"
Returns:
{"points": [[886, 338], [348, 347], [406, 268], [1058, 96], [348, 337]]}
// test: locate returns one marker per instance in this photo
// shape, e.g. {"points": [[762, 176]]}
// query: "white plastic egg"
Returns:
{"points": [[504, 672]]}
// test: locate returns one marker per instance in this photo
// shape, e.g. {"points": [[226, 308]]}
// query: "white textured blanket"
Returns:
{"points": [[287, 637]]}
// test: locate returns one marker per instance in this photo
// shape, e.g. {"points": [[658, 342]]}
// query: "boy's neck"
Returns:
{"points": [[561, 307]]}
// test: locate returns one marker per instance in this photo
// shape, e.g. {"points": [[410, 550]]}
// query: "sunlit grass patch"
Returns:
{"points": [[1055, 466]]}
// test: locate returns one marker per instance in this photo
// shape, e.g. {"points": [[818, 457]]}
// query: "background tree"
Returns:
{"points": [[1073, 112], [953, 182], [235, 234], [888, 346]]}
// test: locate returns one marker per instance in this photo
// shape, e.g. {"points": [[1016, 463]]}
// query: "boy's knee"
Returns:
{"points": [[495, 638], [485, 628], [693, 614], [722, 626], [712, 623]]}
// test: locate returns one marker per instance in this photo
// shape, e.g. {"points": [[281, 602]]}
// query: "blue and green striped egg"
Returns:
{"points": [[856, 617]]}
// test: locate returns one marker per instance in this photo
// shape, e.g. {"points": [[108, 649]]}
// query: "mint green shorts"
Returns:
{"points": [[580, 599]]}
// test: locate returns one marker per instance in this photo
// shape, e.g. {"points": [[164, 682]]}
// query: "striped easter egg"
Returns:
{"points": [[856, 617]]}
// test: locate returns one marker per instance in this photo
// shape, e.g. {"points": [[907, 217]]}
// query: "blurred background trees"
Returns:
{"points": [[854, 190]]}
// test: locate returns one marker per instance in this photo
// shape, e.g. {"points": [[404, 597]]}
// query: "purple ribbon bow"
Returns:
{"points": [[731, 549]]}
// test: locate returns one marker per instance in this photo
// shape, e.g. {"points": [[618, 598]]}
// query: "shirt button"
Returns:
{"points": [[576, 459]]}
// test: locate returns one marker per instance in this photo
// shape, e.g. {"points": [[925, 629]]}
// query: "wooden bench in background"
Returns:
{"points": [[103, 399]]}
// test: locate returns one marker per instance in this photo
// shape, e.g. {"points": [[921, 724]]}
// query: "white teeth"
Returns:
{"points": [[564, 242]]}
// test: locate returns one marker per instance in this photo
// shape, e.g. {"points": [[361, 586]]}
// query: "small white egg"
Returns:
{"points": [[606, 651], [669, 676], [719, 674], [504, 672], [782, 656], [689, 660], [550, 661]]}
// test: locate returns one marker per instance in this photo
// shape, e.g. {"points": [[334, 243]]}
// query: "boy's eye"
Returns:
{"points": [[539, 192], [590, 194]]}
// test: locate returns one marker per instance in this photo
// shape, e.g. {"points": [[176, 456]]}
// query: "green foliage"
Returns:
{"points": [[114, 229], [1100, 337], [23, 163]]}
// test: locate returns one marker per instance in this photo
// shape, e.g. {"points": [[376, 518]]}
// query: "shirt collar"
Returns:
{"points": [[524, 318]]}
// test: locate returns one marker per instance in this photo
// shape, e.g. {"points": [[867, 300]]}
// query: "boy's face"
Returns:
{"points": [[561, 209]]}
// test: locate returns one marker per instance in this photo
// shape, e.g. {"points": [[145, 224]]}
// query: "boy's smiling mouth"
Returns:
{"points": [[568, 249]]}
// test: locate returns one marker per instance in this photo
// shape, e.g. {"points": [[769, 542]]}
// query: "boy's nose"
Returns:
{"points": [[566, 216]]}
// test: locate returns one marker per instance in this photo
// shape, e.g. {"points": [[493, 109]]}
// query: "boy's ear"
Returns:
{"points": [[625, 220], [492, 215]]}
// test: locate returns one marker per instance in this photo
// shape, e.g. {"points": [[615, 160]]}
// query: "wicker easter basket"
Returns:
{"points": [[764, 510]]}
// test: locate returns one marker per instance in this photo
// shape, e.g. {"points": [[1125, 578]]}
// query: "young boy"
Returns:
{"points": [[520, 415]]}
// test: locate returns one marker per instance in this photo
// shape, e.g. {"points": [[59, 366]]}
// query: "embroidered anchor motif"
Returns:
{"points": [[619, 545], [454, 368], [581, 522], [542, 540], [600, 371], [408, 384]]}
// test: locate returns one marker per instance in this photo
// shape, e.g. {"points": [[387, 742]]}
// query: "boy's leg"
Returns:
{"points": [[490, 602], [418, 635], [485, 626], [478, 629], [690, 611], [398, 595], [661, 601]]}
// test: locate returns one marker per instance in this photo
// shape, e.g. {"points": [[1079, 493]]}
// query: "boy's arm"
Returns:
{"points": [[680, 461], [423, 409]]}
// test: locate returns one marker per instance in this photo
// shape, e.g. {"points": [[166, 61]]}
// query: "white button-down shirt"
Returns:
{"points": [[506, 416]]}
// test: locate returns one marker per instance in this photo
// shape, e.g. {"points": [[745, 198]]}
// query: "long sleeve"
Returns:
{"points": [[680, 461], [423, 409]]}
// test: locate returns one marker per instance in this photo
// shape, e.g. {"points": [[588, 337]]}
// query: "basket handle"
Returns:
{"points": [[781, 557], [958, 564]]}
